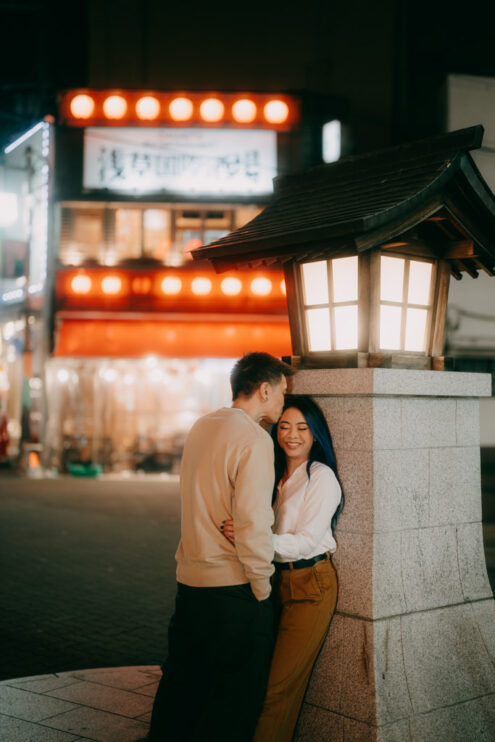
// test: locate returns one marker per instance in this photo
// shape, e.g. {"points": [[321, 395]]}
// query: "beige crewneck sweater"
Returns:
{"points": [[227, 472]]}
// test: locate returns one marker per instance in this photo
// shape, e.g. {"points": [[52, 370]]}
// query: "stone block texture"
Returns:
{"points": [[410, 655]]}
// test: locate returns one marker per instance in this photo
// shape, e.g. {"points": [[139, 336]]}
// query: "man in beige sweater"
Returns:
{"points": [[220, 637]]}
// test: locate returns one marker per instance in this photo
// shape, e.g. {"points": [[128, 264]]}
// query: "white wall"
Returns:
{"points": [[471, 101]]}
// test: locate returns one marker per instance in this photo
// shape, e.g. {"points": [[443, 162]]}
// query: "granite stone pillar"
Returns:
{"points": [[411, 649]]}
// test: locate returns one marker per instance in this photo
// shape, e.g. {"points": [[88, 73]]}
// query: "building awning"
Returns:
{"points": [[119, 338]]}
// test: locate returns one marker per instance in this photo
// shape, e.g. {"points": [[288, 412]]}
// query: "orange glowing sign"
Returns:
{"points": [[148, 108], [173, 289]]}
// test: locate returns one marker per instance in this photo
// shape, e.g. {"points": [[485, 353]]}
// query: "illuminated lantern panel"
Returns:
{"points": [[82, 106], [231, 286], [315, 283], [211, 110], [201, 286], [330, 289], [115, 107], [81, 284], [180, 109], [318, 329], [283, 287], [276, 111], [244, 111], [405, 303], [147, 108], [111, 285]]}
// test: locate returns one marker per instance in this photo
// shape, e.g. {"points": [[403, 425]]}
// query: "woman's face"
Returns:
{"points": [[294, 436]]}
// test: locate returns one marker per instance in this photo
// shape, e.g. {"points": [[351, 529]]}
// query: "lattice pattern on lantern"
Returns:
{"points": [[405, 303], [331, 303]]}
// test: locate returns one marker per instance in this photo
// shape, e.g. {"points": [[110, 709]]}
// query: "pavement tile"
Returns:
{"points": [[22, 704], [148, 690], [145, 717], [16, 730], [125, 678], [99, 725], [104, 698], [43, 684]]}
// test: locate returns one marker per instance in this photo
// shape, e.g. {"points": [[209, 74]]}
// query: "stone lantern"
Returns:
{"points": [[368, 246]]}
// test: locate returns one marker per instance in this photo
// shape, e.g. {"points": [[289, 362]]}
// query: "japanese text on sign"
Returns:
{"points": [[199, 161]]}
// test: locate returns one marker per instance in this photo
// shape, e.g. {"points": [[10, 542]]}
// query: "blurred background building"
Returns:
{"points": [[112, 341]]}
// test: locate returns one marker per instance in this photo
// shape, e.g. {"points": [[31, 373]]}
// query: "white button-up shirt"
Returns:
{"points": [[303, 513]]}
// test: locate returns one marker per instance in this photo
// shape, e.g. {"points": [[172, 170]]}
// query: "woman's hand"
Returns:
{"points": [[227, 528]]}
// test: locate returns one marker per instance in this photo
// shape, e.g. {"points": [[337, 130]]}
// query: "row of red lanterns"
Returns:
{"points": [[112, 285], [115, 107]]}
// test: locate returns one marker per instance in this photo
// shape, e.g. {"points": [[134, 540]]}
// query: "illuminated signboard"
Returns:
{"points": [[203, 162]]}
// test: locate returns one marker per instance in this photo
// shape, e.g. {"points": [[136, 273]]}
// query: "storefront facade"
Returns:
{"points": [[142, 339], [26, 181]]}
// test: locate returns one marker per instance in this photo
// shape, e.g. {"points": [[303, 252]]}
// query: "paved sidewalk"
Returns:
{"points": [[104, 705]]}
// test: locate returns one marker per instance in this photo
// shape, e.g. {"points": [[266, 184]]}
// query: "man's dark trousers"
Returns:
{"points": [[214, 679]]}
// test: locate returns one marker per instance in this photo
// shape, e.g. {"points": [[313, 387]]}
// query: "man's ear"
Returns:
{"points": [[263, 389]]}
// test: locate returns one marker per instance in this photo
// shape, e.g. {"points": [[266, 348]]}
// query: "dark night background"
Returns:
{"points": [[387, 61]]}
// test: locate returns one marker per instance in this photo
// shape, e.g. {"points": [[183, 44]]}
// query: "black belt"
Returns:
{"points": [[301, 563]]}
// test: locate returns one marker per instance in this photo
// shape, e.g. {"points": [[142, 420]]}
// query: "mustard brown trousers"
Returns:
{"points": [[305, 601]]}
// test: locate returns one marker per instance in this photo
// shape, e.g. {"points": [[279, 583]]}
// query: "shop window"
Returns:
{"points": [[81, 235], [196, 228], [111, 234], [128, 228], [156, 233]]}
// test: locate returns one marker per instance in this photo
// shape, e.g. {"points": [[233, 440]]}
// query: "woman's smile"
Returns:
{"points": [[294, 436]]}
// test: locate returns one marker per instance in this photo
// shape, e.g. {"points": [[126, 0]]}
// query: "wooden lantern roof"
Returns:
{"points": [[422, 198]]}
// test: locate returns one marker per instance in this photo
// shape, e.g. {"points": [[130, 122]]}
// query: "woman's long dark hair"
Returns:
{"points": [[321, 450]]}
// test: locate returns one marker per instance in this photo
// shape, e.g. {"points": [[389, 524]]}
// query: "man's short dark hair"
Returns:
{"points": [[253, 369]]}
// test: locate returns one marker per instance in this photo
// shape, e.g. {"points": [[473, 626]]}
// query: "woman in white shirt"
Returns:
{"points": [[307, 502]]}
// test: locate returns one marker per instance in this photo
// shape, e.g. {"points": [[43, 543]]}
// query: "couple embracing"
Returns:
{"points": [[256, 585]]}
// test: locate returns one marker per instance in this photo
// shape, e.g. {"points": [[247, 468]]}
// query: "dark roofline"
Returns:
{"points": [[358, 201], [462, 140]]}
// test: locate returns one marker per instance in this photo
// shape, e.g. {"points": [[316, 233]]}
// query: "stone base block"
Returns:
{"points": [[426, 676]]}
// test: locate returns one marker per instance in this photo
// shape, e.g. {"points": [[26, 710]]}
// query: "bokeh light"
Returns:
{"points": [[261, 286], [81, 284], [115, 107], [111, 285], [82, 106], [276, 111], [180, 109], [211, 110], [201, 286], [171, 285], [147, 108], [244, 111], [231, 286]]}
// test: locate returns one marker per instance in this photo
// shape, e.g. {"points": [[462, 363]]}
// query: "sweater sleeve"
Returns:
{"points": [[253, 515], [320, 503]]}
